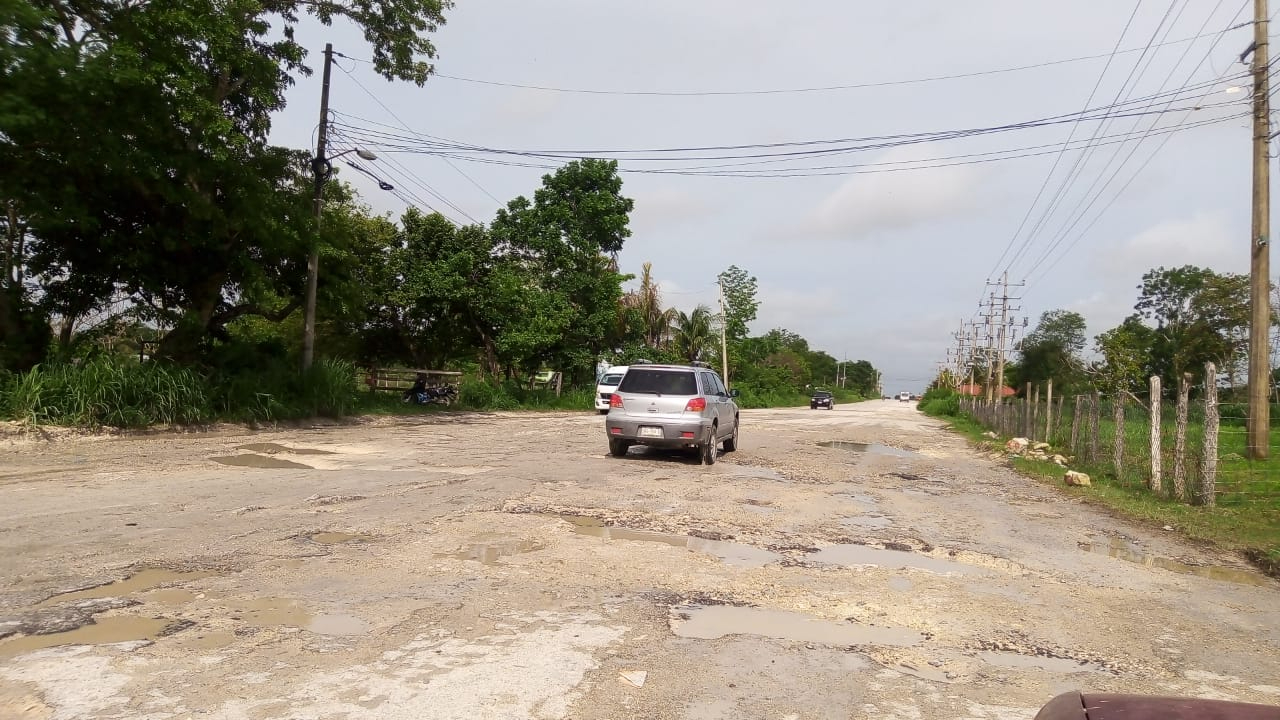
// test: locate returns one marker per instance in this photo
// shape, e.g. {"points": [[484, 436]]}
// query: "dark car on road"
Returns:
{"points": [[821, 398]]}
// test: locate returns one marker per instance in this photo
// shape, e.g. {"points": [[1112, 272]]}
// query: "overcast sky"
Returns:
{"points": [[877, 266]]}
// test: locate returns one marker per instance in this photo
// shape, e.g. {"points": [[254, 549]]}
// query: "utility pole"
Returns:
{"points": [[1259, 436], [320, 168], [724, 343], [1004, 328]]}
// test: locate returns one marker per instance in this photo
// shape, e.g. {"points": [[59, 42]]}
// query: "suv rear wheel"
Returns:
{"points": [[618, 448], [708, 449]]}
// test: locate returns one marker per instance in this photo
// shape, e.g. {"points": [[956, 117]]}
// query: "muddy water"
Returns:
{"points": [[341, 625], [268, 612], [338, 538], [711, 622], [489, 553], [254, 460], [735, 554], [1030, 662], [140, 581], [272, 448], [854, 555], [120, 628], [868, 448], [1123, 550]]}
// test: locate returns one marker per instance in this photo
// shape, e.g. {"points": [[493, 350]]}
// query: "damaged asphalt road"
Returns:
{"points": [[504, 566]]}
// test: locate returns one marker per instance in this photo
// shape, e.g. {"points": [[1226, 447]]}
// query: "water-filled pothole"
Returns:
{"points": [[338, 538], [144, 579], [253, 460], [1123, 550], [488, 553], [117, 629], [272, 448], [711, 622], [735, 554], [854, 555], [1035, 662], [868, 448]]}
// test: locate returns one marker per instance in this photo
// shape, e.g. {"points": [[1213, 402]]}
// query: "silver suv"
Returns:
{"points": [[672, 406]]}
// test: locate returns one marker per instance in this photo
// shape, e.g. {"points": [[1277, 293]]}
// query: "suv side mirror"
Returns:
{"points": [[734, 393]]}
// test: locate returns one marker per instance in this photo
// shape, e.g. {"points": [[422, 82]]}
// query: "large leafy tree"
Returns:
{"points": [[1199, 316], [740, 302], [1052, 351], [1126, 352], [693, 334], [564, 241], [135, 142]]}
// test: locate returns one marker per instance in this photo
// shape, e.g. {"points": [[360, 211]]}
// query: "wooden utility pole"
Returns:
{"points": [[724, 343], [1259, 436], [320, 168]]}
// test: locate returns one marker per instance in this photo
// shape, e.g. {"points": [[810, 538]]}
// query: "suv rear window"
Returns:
{"points": [[660, 382], [610, 379]]}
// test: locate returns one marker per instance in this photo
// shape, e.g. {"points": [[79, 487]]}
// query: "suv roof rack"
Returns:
{"points": [[699, 363], [642, 361]]}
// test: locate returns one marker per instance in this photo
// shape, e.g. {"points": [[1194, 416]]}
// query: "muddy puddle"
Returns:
{"points": [[121, 628], [273, 448], [253, 460], [338, 538], [1124, 550], [867, 448], [141, 581], [489, 553], [1035, 662], [712, 622], [735, 554], [858, 555]]}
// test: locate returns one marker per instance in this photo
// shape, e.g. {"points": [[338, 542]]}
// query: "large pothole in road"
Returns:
{"points": [[712, 622], [736, 554], [867, 448], [1121, 549]]}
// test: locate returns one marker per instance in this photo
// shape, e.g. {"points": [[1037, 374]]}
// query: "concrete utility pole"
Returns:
{"points": [[989, 350], [320, 168], [1259, 436], [724, 343], [1004, 327]]}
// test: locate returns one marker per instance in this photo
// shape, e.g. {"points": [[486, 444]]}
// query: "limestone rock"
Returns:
{"points": [[1077, 479]]}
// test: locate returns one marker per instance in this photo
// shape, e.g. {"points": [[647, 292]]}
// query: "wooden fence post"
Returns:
{"points": [[1209, 463], [1117, 446], [1075, 426], [1156, 469], [1180, 438], [1095, 425], [1026, 413], [1035, 413], [1057, 417], [1048, 412]]}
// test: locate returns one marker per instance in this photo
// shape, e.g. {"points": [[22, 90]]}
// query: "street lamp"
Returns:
{"points": [[322, 169]]}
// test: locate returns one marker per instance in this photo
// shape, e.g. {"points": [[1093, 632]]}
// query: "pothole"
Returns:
{"points": [[712, 622], [340, 625], [273, 448], [253, 460], [489, 553], [144, 579], [736, 554], [117, 629], [867, 448], [1124, 550], [1029, 662], [864, 555], [338, 538]]}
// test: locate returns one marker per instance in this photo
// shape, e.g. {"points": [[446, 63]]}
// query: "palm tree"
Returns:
{"points": [[655, 328], [693, 333]]}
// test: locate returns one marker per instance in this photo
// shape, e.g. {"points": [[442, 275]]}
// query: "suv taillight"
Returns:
{"points": [[696, 405], [615, 400]]}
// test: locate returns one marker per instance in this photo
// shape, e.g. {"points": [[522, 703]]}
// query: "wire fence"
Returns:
{"points": [[1179, 443]]}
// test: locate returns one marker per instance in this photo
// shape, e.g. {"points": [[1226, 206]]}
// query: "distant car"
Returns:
{"points": [[821, 398], [607, 384], [904, 397], [672, 406]]}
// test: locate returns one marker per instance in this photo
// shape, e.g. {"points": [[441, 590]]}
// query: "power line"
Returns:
{"points": [[795, 90], [405, 125]]}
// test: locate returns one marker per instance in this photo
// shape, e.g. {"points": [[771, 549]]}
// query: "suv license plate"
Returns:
{"points": [[651, 432]]}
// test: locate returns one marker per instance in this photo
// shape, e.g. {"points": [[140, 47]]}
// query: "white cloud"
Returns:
{"points": [[866, 206], [666, 207], [1205, 239]]}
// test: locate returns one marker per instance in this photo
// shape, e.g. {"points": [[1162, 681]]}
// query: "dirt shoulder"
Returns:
{"points": [[503, 565]]}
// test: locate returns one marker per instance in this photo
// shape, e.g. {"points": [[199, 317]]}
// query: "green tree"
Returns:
{"points": [[1052, 352], [654, 322], [1126, 352], [1200, 316], [740, 302], [135, 138], [861, 376], [693, 335]]}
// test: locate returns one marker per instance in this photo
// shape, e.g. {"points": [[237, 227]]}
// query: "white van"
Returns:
{"points": [[904, 397], [607, 383]]}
